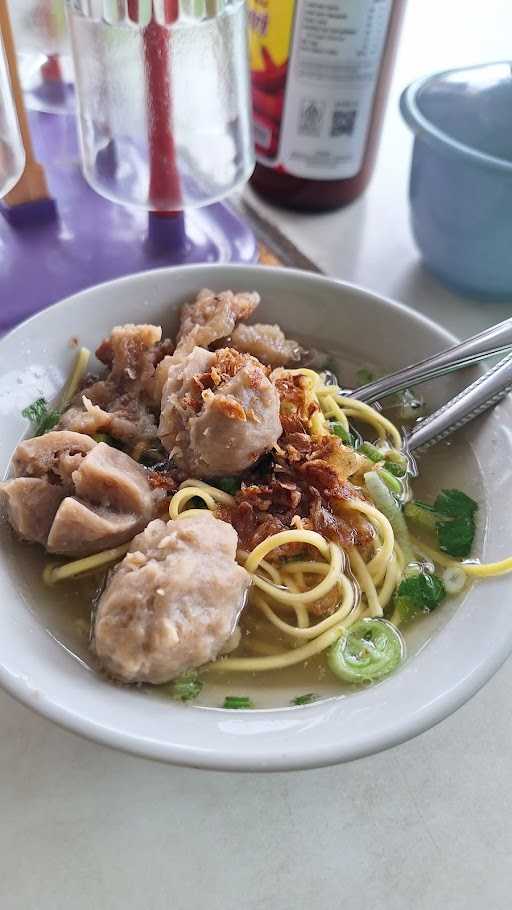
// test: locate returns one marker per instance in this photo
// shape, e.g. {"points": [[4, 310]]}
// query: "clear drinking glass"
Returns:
{"points": [[44, 55], [163, 99], [12, 153]]}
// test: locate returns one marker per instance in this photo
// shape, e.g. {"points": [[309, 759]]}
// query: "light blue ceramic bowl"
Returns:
{"points": [[461, 177]]}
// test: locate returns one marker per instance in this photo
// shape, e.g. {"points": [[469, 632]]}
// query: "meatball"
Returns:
{"points": [[266, 342], [43, 469], [76, 496], [213, 316], [173, 603], [220, 412], [113, 501], [204, 321], [122, 403]]}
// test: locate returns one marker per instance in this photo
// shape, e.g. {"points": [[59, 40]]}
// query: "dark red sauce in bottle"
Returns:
{"points": [[321, 71]]}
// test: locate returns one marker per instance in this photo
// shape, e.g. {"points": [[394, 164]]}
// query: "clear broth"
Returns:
{"points": [[65, 610]]}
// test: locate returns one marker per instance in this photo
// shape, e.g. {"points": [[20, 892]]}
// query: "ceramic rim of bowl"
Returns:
{"points": [[423, 127]]}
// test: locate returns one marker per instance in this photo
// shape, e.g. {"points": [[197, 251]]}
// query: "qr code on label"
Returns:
{"points": [[343, 122], [311, 117]]}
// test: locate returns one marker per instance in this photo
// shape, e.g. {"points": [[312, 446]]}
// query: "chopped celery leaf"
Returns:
{"points": [[305, 699], [419, 594], [41, 417], [455, 503], [452, 517]]}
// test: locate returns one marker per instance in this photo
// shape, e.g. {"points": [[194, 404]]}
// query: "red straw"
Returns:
{"points": [[51, 70], [164, 181]]}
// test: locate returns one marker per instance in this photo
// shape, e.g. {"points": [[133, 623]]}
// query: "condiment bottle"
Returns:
{"points": [[320, 76]]}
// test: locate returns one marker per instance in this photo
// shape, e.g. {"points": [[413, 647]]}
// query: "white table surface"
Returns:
{"points": [[425, 826]]}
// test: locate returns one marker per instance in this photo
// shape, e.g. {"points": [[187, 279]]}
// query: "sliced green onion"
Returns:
{"points": [[368, 651], [398, 469], [339, 430], [372, 452], [391, 482], [187, 687], [454, 579], [305, 699], [387, 504], [422, 515], [77, 374], [237, 702]]}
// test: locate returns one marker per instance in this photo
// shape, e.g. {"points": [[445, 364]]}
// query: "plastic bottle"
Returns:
{"points": [[320, 76]]}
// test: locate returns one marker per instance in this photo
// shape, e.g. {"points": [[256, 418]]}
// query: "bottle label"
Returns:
{"points": [[315, 66]]}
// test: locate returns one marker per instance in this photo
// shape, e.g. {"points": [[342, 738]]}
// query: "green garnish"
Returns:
{"points": [[228, 484], [187, 687], [371, 452], [452, 517], [236, 702], [422, 515], [456, 535], [41, 417], [337, 429], [368, 651], [419, 594], [395, 468], [305, 699], [386, 503], [390, 480]]}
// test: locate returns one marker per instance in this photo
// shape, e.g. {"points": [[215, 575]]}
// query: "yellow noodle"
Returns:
{"points": [[183, 496], [308, 538], [307, 566], [369, 415], [347, 602], [313, 594], [473, 569], [390, 582], [301, 610], [220, 496], [285, 659], [486, 570], [378, 564], [53, 574], [261, 647], [365, 582], [440, 558]]}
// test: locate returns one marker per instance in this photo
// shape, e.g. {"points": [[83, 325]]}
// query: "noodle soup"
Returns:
{"points": [[65, 608]]}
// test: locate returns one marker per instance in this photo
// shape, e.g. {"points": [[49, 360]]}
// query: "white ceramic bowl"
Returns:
{"points": [[451, 655]]}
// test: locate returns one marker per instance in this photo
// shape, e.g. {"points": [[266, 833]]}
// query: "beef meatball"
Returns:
{"points": [[211, 317], [76, 496], [220, 412], [266, 342], [172, 604]]}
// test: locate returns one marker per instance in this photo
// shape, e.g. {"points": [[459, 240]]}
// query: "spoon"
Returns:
{"points": [[486, 344], [477, 398]]}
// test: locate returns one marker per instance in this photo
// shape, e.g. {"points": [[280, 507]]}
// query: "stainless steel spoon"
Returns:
{"points": [[486, 344], [478, 397]]}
